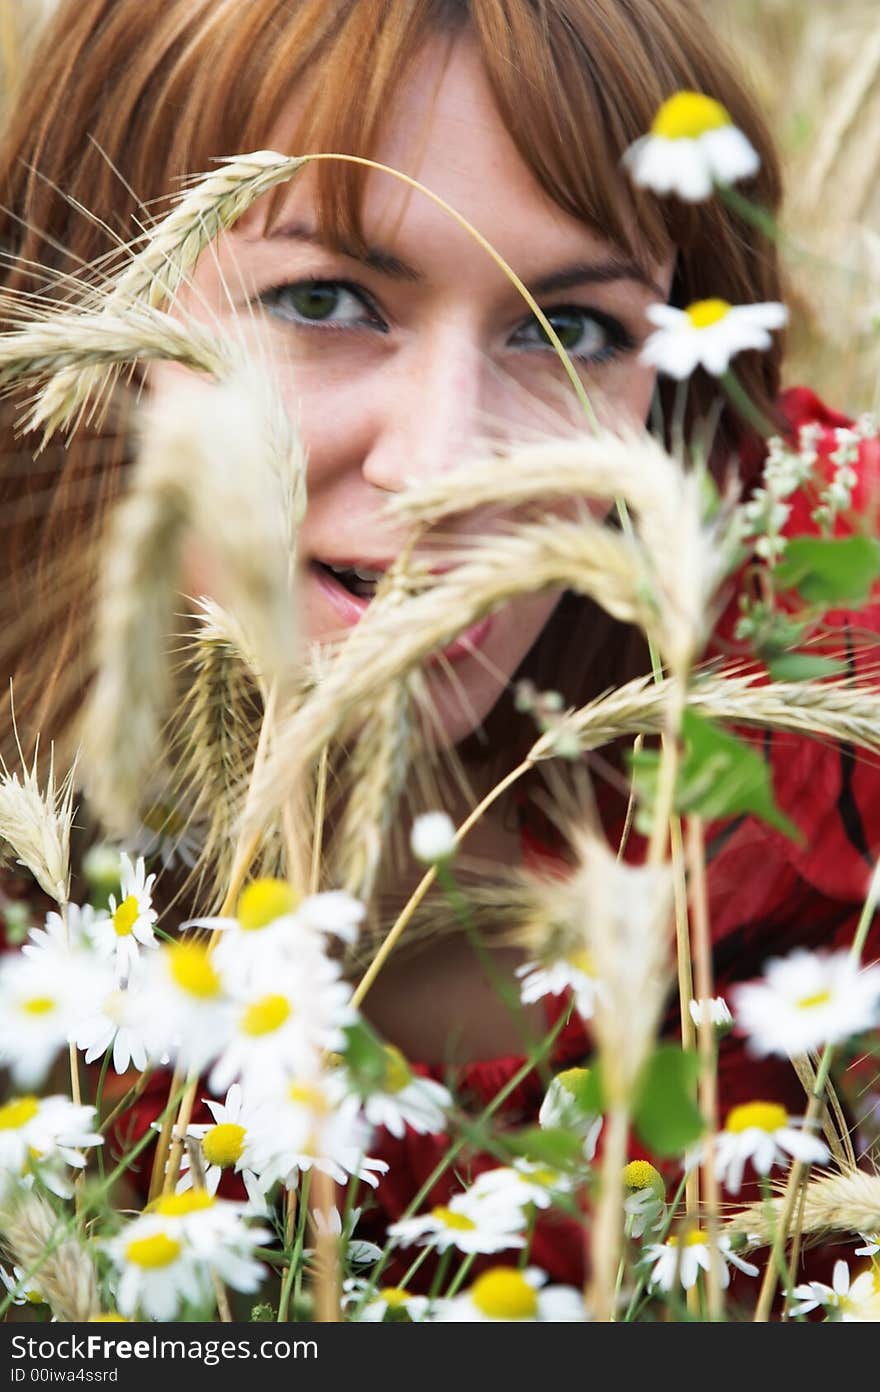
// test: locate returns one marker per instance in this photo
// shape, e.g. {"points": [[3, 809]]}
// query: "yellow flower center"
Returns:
{"points": [[450, 1219], [193, 971], [572, 1079], [688, 115], [810, 1002], [266, 1015], [152, 1253], [125, 916], [182, 1205], [503, 1293], [395, 1297], [34, 1297], [640, 1174], [547, 1177], [581, 960], [223, 1144], [695, 1238], [704, 313], [108, 1319], [308, 1095], [262, 902], [39, 1005], [18, 1113], [397, 1074], [763, 1116]]}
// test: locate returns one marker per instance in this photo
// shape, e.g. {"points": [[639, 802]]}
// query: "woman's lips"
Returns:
{"points": [[351, 609]]}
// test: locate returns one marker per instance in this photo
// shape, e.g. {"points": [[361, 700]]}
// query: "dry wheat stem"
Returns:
{"points": [[135, 602], [847, 1202], [63, 1271], [708, 1078]]}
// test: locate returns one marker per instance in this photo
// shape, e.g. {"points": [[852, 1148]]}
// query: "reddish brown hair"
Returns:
{"points": [[125, 97]]}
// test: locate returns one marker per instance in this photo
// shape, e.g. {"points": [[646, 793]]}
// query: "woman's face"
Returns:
{"points": [[397, 366]]}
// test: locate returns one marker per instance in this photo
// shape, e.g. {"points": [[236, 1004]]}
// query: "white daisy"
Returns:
{"points": [[23, 1289], [468, 1222], [764, 1134], [708, 334], [60, 936], [357, 1250], [118, 1024], [309, 1123], [504, 1293], [222, 1142], [850, 1301], [159, 1274], [334, 914], [42, 999], [522, 1183], [717, 1010], [45, 1135], [574, 972], [262, 931], [120, 935], [432, 838], [871, 1247], [692, 146], [282, 1021], [389, 1304], [403, 1099], [683, 1261], [806, 1000], [181, 1006], [564, 1108], [168, 1255]]}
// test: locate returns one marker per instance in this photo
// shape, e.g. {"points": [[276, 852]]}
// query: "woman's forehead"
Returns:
{"points": [[444, 129]]}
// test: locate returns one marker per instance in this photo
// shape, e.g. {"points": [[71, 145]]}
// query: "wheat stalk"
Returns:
{"points": [[37, 824], [74, 346], [214, 202], [222, 464], [846, 1202], [62, 1268]]}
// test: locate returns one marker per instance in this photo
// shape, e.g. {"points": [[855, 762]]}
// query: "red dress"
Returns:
{"points": [[767, 896]]}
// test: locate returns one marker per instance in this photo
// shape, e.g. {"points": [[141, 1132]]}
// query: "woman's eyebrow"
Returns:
{"points": [[604, 272]]}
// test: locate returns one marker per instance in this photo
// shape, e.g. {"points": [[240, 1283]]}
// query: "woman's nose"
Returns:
{"points": [[429, 416]]}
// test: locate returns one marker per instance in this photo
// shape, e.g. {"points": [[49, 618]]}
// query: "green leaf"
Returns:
{"points": [[719, 776], [666, 1116], [560, 1150], [803, 667], [365, 1057], [830, 570]]}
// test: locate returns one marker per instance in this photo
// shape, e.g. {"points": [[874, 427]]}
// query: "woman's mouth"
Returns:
{"points": [[350, 587]]}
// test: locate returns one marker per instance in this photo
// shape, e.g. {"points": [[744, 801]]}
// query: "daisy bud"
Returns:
{"points": [[433, 838]]}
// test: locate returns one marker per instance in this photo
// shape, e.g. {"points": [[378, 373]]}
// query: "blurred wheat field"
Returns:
{"points": [[815, 67]]}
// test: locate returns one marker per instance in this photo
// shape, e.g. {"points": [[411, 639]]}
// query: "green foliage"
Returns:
{"points": [[800, 666], [830, 570], [365, 1057], [719, 776], [561, 1150], [666, 1117]]}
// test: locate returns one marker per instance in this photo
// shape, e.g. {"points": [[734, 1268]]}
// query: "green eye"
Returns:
{"points": [[329, 302], [313, 300], [578, 333], [587, 334]]}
